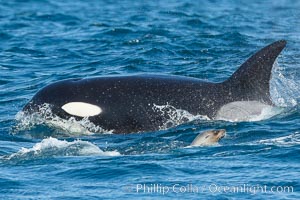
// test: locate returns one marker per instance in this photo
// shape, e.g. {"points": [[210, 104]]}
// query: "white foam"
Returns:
{"points": [[51, 147], [174, 116], [45, 116], [289, 140], [284, 88], [266, 113]]}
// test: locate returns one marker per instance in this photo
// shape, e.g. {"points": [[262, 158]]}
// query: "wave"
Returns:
{"points": [[288, 140], [52, 147]]}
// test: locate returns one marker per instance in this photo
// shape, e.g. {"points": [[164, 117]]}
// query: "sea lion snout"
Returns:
{"points": [[221, 133]]}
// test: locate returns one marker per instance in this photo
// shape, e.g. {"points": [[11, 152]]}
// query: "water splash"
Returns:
{"points": [[284, 89], [46, 117], [174, 117], [52, 147]]}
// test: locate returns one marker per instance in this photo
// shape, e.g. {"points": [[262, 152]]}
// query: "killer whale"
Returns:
{"points": [[124, 104]]}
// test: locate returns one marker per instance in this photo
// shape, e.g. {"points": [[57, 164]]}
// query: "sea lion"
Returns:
{"points": [[208, 138]]}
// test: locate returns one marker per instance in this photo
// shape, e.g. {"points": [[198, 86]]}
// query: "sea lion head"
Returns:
{"points": [[209, 137]]}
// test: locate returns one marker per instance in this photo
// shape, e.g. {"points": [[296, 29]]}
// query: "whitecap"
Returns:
{"points": [[52, 147], [288, 140]]}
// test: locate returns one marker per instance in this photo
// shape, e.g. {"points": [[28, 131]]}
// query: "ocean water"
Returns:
{"points": [[43, 41]]}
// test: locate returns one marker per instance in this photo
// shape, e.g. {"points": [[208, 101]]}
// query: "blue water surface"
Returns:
{"points": [[43, 41]]}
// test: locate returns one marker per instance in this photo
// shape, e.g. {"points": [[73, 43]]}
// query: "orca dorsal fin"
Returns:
{"points": [[252, 79]]}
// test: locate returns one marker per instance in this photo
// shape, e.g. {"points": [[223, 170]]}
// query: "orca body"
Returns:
{"points": [[124, 104]]}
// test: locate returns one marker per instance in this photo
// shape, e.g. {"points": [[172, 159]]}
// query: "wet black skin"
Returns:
{"points": [[127, 101]]}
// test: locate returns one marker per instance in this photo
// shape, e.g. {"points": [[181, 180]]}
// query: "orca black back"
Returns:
{"points": [[127, 103]]}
